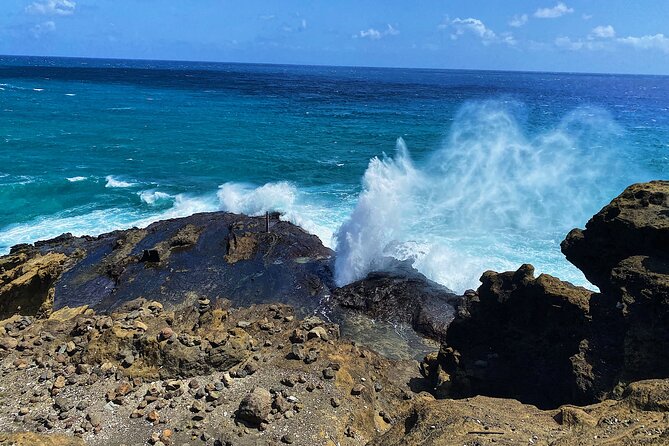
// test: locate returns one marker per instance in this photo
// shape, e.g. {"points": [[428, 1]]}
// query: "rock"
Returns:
{"points": [[288, 438], [153, 417], [328, 373], [59, 383], [165, 334], [402, 295], [624, 250], [94, 419], [358, 389], [318, 332], [516, 338], [166, 261], [255, 407]]}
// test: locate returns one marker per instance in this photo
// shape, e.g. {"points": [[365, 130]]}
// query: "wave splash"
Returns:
{"points": [[492, 197]]}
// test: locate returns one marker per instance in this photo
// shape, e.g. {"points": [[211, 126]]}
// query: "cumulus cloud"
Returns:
{"points": [[375, 34], [551, 13], [43, 28], [52, 7], [518, 20], [476, 27], [602, 32], [654, 42]]}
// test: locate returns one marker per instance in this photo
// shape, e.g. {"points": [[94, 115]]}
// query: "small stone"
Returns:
{"points": [[288, 438], [243, 324], [334, 402], [256, 406], [165, 334], [153, 416], [139, 325], [358, 389], [59, 383], [328, 373], [94, 419]]}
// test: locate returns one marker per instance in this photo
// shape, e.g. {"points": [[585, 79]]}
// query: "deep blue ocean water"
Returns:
{"points": [[492, 169]]}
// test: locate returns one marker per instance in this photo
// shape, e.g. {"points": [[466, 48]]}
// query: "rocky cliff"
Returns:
{"points": [[547, 342]]}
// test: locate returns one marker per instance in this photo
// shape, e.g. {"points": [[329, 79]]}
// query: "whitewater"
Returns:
{"points": [[455, 172]]}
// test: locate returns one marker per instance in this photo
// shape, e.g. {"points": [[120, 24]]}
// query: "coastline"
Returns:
{"points": [[180, 332]]}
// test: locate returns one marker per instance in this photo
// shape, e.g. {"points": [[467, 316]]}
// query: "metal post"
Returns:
{"points": [[266, 221]]}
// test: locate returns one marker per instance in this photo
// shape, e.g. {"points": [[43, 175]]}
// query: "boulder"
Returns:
{"points": [[403, 296], [255, 408]]}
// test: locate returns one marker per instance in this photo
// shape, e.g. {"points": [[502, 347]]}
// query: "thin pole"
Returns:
{"points": [[266, 221]]}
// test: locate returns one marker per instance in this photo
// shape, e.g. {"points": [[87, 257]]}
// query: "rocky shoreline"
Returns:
{"points": [[222, 329]]}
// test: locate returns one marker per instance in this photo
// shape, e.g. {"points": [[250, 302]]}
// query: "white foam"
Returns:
{"points": [[152, 197], [491, 197], [75, 179], [115, 182], [282, 197]]}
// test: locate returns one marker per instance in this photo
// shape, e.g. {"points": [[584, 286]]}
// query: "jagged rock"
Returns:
{"points": [[516, 339], [403, 295], [624, 250], [636, 223]]}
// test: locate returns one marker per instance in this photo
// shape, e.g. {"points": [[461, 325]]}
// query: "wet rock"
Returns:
{"points": [[402, 295]]}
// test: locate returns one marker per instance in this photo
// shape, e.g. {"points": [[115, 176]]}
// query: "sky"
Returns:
{"points": [[610, 36]]}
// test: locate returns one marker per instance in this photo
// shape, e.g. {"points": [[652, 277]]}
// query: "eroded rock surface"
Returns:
{"points": [[217, 255], [547, 342], [402, 297]]}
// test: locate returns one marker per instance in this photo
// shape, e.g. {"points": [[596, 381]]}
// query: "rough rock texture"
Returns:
{"points": [[547, 342], [624, 250], [518, 337], [483, 420], [218, 255], [406, 297], [636, 223]]}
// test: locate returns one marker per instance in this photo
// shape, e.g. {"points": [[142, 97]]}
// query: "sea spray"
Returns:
{"points": [[283, 197], [492, 197]]}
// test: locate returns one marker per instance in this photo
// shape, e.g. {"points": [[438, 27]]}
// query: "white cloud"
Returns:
{"points": [[518, 20], [586, 16], [43, 28], [52, 7], [602, 32], [551, 13], [474, 26], [375, 34], [656, 42]]}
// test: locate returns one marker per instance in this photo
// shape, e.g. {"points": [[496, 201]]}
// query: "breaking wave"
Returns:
{"points": [[491, 197]]}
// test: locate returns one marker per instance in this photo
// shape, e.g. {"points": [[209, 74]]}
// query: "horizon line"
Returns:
{"points": [[337, 66]]}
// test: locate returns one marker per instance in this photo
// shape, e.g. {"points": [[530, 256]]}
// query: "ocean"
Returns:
{"points": [[456, 171]]}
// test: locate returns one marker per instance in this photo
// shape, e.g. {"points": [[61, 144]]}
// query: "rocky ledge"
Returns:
{"points": [[181, 333]]}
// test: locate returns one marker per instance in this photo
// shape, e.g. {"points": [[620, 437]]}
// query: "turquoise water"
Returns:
{"points": [[492, 170]]}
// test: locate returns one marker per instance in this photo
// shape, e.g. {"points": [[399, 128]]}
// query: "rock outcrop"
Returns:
{"points": [[517, 337], [483, 420], [402, 297], [217, 255], [624, 250], [547, 342]]}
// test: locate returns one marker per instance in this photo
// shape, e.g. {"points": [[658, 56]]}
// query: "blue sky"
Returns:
{"points": [[620, 36]]}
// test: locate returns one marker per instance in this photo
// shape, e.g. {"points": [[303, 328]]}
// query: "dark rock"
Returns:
{"points": [[516, 339], [404, 296], [204, 254]]}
